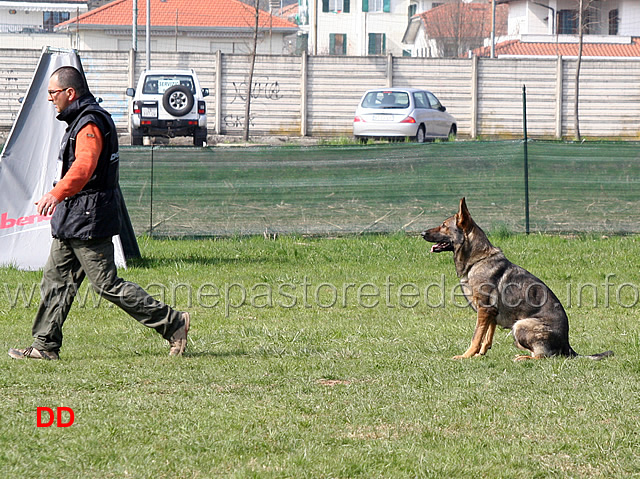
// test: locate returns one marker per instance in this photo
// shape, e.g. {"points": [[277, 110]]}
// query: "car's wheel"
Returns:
{"points": [[452, 133], [200, 138], [136, 139], [420, 135], [178, 100]]}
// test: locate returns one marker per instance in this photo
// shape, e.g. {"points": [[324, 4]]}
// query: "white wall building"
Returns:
{"points": [[36, 16], [30, 24], [551, 17], [357, 27], [363, 27]]}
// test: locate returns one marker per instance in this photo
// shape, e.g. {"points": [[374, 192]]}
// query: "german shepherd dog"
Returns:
{"points": [[502, 293]]}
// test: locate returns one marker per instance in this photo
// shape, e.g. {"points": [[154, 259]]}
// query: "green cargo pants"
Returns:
{"points": [[68, 264]]}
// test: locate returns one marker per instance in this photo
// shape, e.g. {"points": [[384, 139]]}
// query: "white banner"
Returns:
{"points": [[28, 168]]}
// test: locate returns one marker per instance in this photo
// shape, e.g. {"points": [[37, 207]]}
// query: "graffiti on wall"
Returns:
{"points": [[261, 88], [237, 121]]}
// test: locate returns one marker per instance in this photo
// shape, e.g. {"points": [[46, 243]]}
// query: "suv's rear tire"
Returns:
{"points": [[178, 100], [136, 139], [200, 138], [421, 135]]}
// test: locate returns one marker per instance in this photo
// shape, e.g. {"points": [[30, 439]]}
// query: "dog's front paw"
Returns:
{"points": [[461, 356]]}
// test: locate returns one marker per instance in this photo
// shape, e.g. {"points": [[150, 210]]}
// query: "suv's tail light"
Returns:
{"points": [[137, 107], [358, 119], [408, 119], [202, 107]]}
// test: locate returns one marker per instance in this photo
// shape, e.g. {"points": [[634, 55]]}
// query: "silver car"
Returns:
{"points": [[398, 113]]}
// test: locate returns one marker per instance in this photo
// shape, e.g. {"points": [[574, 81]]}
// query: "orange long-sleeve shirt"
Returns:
{"points": [[88, 147]]}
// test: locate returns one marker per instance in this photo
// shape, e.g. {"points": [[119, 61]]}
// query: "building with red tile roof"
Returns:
{"points": [[548, 28], [527, 29], [180, 25], [452, 29], [565, 47]]}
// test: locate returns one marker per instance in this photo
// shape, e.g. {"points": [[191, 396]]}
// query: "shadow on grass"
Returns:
{"points": [[212, 354], [150, 263]]}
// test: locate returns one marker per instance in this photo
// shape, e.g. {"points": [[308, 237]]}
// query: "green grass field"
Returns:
{"points": [[336, 363]]}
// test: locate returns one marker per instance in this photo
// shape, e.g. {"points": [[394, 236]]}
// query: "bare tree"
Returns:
{"points": [[583, 25], [459, 27], [252, 63], [256, 12]]}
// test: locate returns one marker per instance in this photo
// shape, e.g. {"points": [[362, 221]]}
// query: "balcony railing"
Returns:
{"points": [[28, 29]]}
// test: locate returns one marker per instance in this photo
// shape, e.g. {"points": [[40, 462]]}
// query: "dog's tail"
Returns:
{"points": [[599, 356]]}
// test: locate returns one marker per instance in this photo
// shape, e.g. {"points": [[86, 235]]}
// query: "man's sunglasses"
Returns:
{"points": [[53, 92]]}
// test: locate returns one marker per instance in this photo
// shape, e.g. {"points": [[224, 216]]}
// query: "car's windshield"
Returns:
{"points": [[158, 84], [386, 99]]}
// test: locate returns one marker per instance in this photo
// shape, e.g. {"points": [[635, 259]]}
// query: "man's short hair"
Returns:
{"points": [[70, 77]]}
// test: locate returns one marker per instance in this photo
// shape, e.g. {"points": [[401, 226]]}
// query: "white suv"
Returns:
{"points": [[169, 103]]}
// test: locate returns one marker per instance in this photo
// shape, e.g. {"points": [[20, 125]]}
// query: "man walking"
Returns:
{"points": [[85, 207]]}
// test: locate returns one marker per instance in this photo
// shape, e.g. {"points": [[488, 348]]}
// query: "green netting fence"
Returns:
{"points": [[573, 187]]}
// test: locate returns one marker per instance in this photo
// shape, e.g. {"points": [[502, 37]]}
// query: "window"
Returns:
{"points": [[567, 22], [413, 8], [51, 19], [433, 101], [613, 22], [420, 99], [386, 100], [377, 44], [590, 19], [336, 6], [337, 44], [158, 84], [376, 5]]}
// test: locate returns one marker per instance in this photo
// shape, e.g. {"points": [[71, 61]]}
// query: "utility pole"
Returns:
{"points": [[493, 28], [134, 27], [314, 25], [148, 33]]}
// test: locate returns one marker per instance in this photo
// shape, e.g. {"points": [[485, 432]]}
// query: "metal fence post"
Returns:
{"points": [[151, 199], [303, 94], [526, 159]]}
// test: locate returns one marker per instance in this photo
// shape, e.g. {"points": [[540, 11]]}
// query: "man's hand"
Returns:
{"points": [[47, 204]]}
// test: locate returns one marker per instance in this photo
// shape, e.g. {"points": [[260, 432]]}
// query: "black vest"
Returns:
{"points": [[94, 212]]}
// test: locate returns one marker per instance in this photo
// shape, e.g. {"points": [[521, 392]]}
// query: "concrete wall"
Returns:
{"points": [[317, 95]]}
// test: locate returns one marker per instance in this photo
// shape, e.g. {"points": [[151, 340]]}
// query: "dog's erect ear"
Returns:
{"points": [[463, 217]]}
